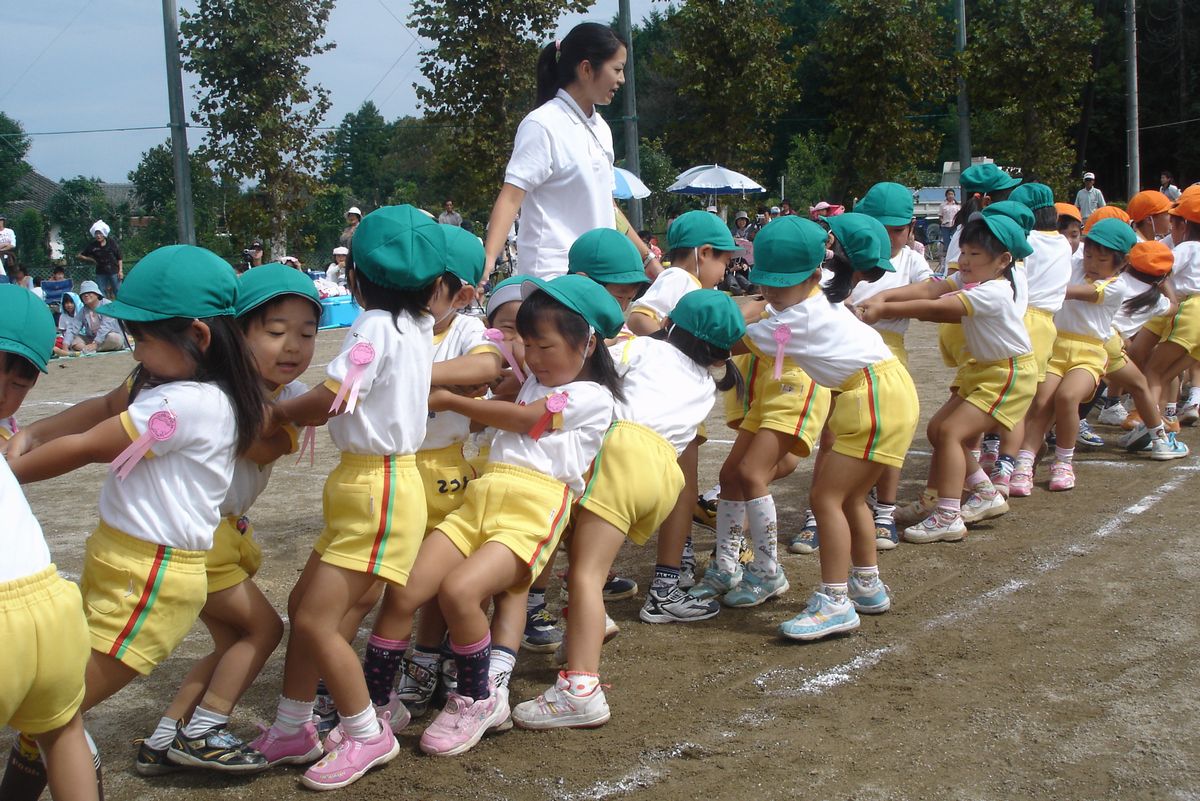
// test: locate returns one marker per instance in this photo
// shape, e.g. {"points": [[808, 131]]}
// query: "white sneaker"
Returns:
{"points": [[1113, 415], [983, 506], [1164, 449], [1189, 414], [559, 708], [938, 527]]}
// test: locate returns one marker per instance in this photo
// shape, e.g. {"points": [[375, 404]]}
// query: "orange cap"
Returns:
{"points": [[1069, 210], [1152, 258], [1188, 205], [1103, 213], [1147, 204]]}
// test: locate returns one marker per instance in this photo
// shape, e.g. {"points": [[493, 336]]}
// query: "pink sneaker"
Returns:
{"points": [[289, 749], [393, 714], [1062, 476], [351, 759], [462, 723], [1020, 483], [1001, 481]]}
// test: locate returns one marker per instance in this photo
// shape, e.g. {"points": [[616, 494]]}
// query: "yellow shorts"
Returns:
{"points": [[445, 473], [374, 516], [1076, 352], [952, 344], [635, 480], [1042, 333], [895, 342], [41, 679], [1114, 348], [1159, 326], [235, 555], [522, 509], [875, 414], [1184, 330], [1003, 389], [141, 599], [794, 404]]}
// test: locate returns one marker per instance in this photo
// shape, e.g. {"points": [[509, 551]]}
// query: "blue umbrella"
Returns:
{"points": [[628, 185]]}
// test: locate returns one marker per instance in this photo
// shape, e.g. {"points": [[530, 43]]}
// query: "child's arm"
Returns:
{"points": [[1088, 293], [309, 409], [923, 290], [643, 324], [944, 309], [102, 443], [79, 418], [270, 446], [504, 415], [469, 370]]}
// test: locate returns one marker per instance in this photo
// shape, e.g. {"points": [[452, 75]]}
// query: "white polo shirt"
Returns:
{"points": [[1048, 269], [911, 268], [668, 288], [1186, 273], [994, 323], [563, 160], [1095, 320], [249, 477], [393, 397], [463, 337], [665, 391], [1129, 323], [23, 550]]}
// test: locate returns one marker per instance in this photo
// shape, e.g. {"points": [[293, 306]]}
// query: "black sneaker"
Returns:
{"points": [[217, 749], [677, 607], [418, 685], [153, 761], [325, 715]]}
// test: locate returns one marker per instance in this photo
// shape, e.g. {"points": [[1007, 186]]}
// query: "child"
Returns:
{"points": [[70, 307], [278, 310], [996, 382], [1070, 224], [601, 255], [374, 500], [195, 402], [635, 483], [92, 330], [1149, 214]]}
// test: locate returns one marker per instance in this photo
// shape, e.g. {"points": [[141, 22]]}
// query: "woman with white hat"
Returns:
{"points": [[336, 272], [105, 253], [353, 217]]}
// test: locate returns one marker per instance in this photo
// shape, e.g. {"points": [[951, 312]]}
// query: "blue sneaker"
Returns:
{"points": [[870, 599], [541, 631], [823, 617], [618, 588], [755, 589], [1164, 449], [805, 540], [716, 582], [886, 537], [1087, 436]]}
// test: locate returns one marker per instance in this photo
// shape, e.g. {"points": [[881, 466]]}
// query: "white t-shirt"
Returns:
{"points": [[24, 550], [393, 396], [336, 274], [828, 342], [564, 453], [1127, 324], [1048, 269], [563, 160], [954, 249], [249, 477], [175, 498], [8, 237], [911, 268], [660, 298], [665, 391], [463, 337], [994, 326], [1095, 319], [1186, 272]]}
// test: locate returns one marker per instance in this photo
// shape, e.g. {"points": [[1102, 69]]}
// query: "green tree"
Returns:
{"points": [[481, 77], [262, 113], [77, 204], [154, 185], [32, 247], [14, 144], [810, 169], [356, 157], [658, 172]]}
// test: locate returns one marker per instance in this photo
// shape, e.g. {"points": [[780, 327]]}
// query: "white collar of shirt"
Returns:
{"points": [[576, 112]]}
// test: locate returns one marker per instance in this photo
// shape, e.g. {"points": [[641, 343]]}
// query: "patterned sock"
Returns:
{"points": [[810, 520], [1026, 457], [764, 532], [25, 776], [666, 578], [203, 720], [380, 663], [472, 661], [838, 592], [731, 518], [949, 507], [1004, 466], [164, 734], [426, 657], [91, 744], [290, 716], [501, 666], [885, 512], [362, 725], [865, 575], [1159, 430], [1063, 454], [536, 598], [1172, 409], [978, 479], [581, 683]]}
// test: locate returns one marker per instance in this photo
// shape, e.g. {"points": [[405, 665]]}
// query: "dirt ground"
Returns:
{"points": [[1053, 654]]}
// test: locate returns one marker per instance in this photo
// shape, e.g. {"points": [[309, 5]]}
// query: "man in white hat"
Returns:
{"points": [[105, 253], [336, 272], [1089, 198]]}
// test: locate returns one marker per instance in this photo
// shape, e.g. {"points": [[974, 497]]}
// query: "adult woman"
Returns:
{"points": [[560, 173]]}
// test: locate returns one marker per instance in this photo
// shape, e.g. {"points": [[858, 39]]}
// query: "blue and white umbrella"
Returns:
{"points": [[712, 179], [628, 185]]}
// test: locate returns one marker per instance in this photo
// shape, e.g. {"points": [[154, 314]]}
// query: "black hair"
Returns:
{"points": [[1065, 221], [971, 204], [645, 235], [996, 195], [679, 254], [259, 313], [976, 232], [452, 282], [1045, 219], [558, 61], [541, 307], [838, 287], [1191, 232], [412, 302], [22, 367], [705, 355], [227, 363], [1147, 299]]}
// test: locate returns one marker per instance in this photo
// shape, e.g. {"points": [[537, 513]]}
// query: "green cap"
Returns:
{"points": [[711, 316], [1010, 234], [1017, 212], [26, 326], [398, 247], [608, 257], [506, 291], [176, 281], [1035, 196], [864, 239], [787, 251], [984, 178], [890, 203], [464, 255], [695, 229], [1113, 234], [585, 297], [268, 281]]}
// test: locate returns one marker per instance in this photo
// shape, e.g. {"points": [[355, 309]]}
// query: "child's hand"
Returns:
{"points": [[869, 311], [21, 442], [506, 387], [474, 391]]}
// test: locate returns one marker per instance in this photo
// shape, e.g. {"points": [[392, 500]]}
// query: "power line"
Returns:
{"points": [[49, 44], [1168, 124]]}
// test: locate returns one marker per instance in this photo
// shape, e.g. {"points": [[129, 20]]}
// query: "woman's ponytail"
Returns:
{"points": [[547, 73], [558, 63]]}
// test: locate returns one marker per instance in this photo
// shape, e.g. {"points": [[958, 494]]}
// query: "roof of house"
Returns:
{"points": [[34, 190]]}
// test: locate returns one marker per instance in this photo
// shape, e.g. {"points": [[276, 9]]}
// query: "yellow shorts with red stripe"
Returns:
{"points": [[1114, 348], [374, 516], [235, 555], [952, 344], [1003, 389], [635, 480], [41, 679], [1185, 326], [1039, 323], [445, 473], [522, 509], [1077, 352], [792, 404], [875, 414], [140, 599], [895, 342]]}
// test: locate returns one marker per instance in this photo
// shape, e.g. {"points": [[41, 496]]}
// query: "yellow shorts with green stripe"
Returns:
{"points": [[1184, 330], [1077, 352], [1039, 323], [875, 414], [1003, 389], [522, 509], [235, 555], [140, 599], [793, 404], [635, 480], [1159, 325], [374, 516], [1114, 347], [445, 473], [895, 342], [41, 679], [952, 344]]}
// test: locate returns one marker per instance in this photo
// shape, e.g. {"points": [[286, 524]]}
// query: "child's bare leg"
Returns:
{"points": [[593, 549], [70, 766]]}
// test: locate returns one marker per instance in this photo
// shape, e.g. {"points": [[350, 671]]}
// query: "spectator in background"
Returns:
{"points": [[449, 216], [946, 214], [741, 226], [336, 272], [105, 253], [785, 208], [1167, 187], [651, 242], [1088, 199], [353, 218], [8, 245], [774, 213], [20, 277], [89, 331]]}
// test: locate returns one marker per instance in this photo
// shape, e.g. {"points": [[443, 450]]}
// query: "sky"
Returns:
{"points": [[72, 65]]}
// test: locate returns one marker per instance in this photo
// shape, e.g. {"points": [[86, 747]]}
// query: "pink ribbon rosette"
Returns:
{"points": [[554, 405], [496, 337], [782, 336], [308, 442], [159, 428], [361, 355]]}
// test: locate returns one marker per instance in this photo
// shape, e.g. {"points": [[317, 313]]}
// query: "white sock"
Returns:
{"points": [[203, 720], [865, 575], [1171, 409], [731, 519], [164, 734], [1193, 396], [362, 725], [764, 532], [500, 666], [290, 716], [581, 684]]}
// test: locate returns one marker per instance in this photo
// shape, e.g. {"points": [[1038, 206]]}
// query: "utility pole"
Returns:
{"points": [[179, 146], [632, 162], [964, 109], [1133, 165]]}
